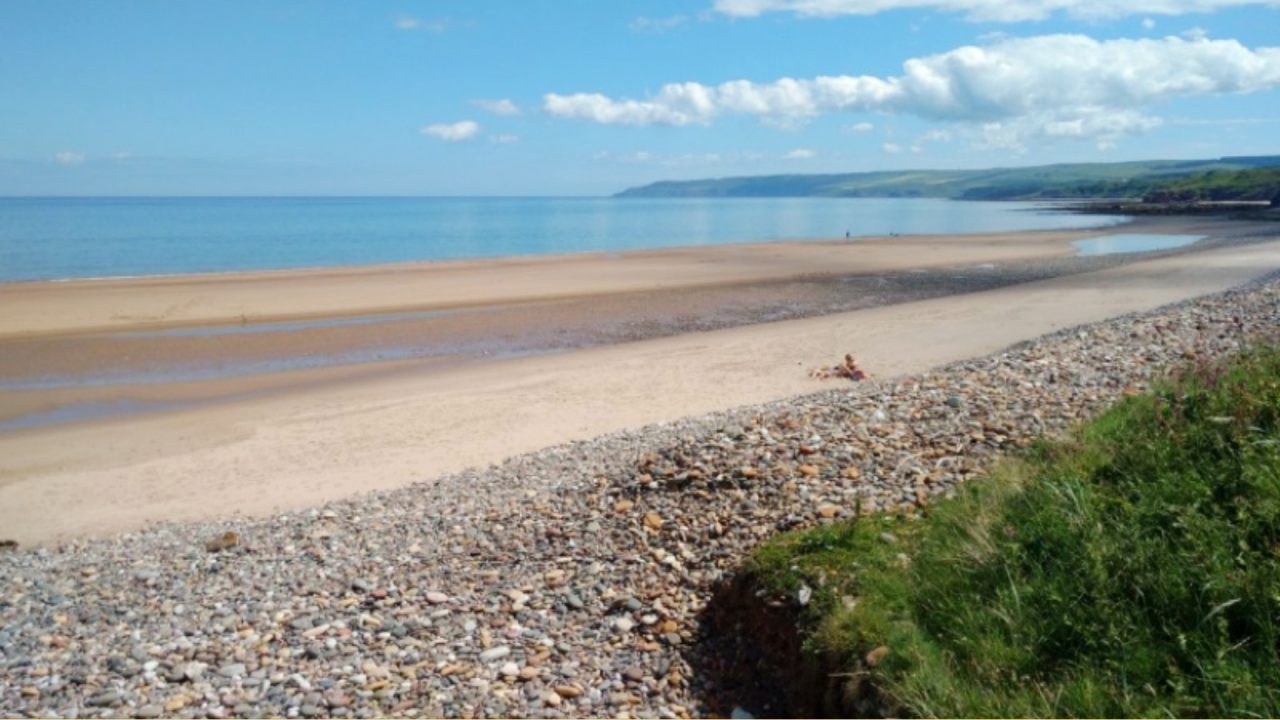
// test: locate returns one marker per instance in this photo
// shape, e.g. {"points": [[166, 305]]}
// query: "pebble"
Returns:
{"points": [[566, 582], [109, 698]]}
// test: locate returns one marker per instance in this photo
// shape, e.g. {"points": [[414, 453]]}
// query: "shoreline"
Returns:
{"points": [[727, 263], [577, 580], [327, 440], [93, 376], [410, 265]]}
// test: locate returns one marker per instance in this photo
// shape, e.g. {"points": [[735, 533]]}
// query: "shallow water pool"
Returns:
{"points": [[1132, 243]]}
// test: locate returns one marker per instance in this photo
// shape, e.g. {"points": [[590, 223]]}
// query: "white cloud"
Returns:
{"points": [[409, 22], [1195, 33], [861, 127], [452, 132], [1148, 23], [984, 10], [676, 104], [1103, 127], [891, 148], [658, 25], [934, 136], [504, 139], [66, 157], [1049, 84], [800, 154], [501, 106]]}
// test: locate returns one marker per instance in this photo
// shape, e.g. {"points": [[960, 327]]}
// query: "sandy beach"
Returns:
{"points": [[460, 539], [265, 441]]}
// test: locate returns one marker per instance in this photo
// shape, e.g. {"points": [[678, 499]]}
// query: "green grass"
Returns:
{"points": [[1253, 184], [1132, 569]]}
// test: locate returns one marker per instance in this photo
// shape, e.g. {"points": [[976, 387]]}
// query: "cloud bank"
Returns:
{"points": [[452, 132], [984, 10], [1050, 85]]}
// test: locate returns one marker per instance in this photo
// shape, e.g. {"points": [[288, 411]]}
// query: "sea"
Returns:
{"points": [[69, 238]]}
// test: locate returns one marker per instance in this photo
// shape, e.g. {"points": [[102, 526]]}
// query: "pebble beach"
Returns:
{"points": [[563, 583]]}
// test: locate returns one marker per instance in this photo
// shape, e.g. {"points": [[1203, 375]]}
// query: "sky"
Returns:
{"points": [[588, 97]]}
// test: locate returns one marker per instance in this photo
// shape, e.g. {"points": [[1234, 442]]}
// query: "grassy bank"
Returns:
{"points": [[1131, 569]]}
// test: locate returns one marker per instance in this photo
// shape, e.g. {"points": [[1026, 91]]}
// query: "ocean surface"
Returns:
{"points": [[62, 238]]}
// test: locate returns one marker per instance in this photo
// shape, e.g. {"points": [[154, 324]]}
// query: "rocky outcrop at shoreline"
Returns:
{"points": [[569, 582]]}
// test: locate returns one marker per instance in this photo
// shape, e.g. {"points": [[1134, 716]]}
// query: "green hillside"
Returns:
{"points": [[1257, 184], [1082, 180]]}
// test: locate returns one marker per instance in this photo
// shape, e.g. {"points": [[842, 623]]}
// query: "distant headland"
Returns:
{"points": [[1226, 179]]}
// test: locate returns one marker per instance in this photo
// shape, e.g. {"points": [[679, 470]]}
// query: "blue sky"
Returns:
{"points": [[589, 97]]}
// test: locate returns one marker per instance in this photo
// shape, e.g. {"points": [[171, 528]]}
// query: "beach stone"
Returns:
{"points": [[107, 698], [568, 691], [612, 608]]}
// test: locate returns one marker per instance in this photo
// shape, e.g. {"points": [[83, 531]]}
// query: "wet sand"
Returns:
{"points": [[555, 353], [104, 362], [78, 306]]}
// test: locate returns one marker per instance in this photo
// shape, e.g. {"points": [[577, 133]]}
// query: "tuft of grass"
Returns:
{"points": [[1131, 569]]}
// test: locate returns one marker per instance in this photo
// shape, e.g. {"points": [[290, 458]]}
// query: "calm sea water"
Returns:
{"points": [[53, 238]]}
